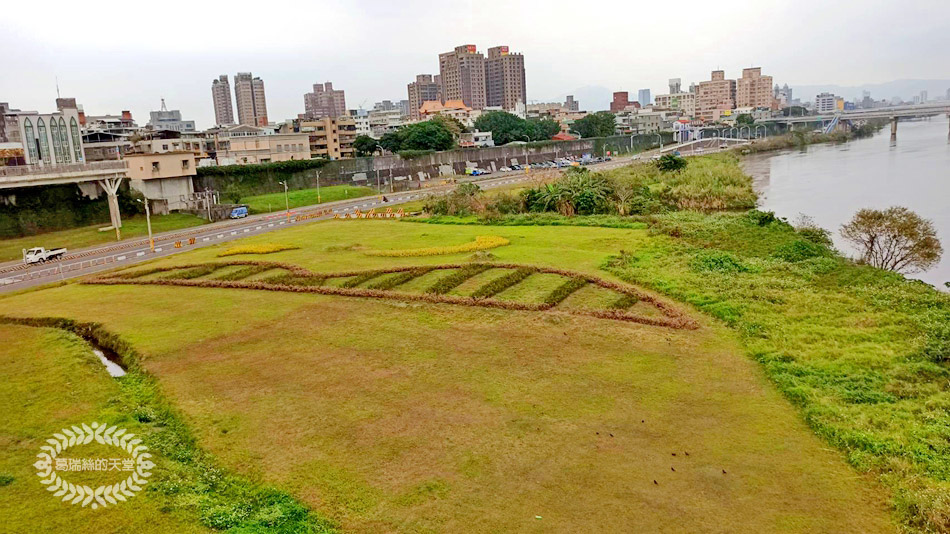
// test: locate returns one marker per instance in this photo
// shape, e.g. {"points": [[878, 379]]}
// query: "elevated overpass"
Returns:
{"points": [[74, 173], [893, 113]]}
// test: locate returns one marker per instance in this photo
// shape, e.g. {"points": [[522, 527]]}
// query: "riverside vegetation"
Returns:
{"points": [[863, 352], [416, 412]]}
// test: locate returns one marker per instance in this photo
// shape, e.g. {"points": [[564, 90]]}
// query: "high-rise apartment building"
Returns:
{"points": [[754, 90], [504, 79], [715, 95], [249, 97], [221, 93], [462, 74], [643, 97], [424, 89], [570, 104], [324, 101]]}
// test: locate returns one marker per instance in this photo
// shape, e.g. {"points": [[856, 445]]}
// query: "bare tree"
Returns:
{"points": [[622, 193], [895, 239]]}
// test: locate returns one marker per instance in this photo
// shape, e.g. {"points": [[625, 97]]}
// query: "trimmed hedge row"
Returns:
{"points": [[312, 283], [366, 276], [400, 279], [564, 290], [625, 302], [450, 282], [502, 283]]}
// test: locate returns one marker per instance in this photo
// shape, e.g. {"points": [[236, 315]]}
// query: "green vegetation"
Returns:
{"points": [[304, 197], [188, 491], [599, 124], [77, 238], [262, 168], [709, 183], [402, 415], [895, 239], [507, 127], [365, 145], [426, 135], [34, 210]]}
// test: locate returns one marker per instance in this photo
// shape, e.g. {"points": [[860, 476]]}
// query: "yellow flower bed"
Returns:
{"points": [[268, 248], [481, 242]]}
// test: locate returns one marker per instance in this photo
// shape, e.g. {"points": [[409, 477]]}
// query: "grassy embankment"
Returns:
{"points": [[863, 353], [408, 416], [52, 380], [87, 236], [304, 197]]}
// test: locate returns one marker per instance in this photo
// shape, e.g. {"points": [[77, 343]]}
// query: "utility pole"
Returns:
{"points": [[287, 198], [148, 223]]}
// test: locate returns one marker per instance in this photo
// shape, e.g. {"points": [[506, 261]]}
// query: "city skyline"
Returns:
{"points": [[94, 70]]}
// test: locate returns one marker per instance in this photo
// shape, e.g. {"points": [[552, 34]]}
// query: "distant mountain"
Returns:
{"points": [[905, 89]]}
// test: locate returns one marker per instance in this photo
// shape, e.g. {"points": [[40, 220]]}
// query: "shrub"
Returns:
{"points": [[800, 249], [717, 261], [761, 218], [400, 279], [671, 163]]}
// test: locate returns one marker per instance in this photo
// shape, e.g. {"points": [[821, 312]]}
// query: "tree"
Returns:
{"points": [[427, 135], [745, 118], [504, 127], [390, 141], [895, 239], [365, 145], [452, 124], [600, 124], [541, 130]]}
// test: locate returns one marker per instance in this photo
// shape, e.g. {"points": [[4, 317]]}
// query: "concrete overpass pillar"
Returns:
{"points": [[111, 186], [894, 129]]}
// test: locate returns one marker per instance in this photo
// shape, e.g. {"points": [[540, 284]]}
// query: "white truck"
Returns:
{"points": [[40, 255]]}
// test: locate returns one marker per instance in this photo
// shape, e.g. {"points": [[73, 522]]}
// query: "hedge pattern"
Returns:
{"points": [[300, 280]]}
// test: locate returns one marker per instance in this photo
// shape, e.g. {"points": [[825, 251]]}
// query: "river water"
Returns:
{"points": [[829, 183]]}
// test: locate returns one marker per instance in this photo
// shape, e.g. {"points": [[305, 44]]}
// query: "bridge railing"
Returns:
{"points": [[69, 168]]}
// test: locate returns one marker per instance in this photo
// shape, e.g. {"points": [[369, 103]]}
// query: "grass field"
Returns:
{"points": [[390, 415], [87, 236], [304, 197]]}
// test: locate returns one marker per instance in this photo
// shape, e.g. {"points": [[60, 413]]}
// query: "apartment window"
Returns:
{"points": [[164, 147], [154, 166], [184, 164]]}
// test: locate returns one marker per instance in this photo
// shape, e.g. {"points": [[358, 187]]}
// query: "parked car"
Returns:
{"points": [[239, 212], [505, 169], [41, 255]]}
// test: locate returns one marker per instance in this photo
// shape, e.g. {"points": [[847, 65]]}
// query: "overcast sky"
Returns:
{"points": [[128, 55]]}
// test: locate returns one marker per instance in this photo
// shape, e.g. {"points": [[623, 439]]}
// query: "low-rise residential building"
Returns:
{"points": [[330, 138], [682, 102], [383, 121], [476, 139], [825, 103], [641, 121], [164, 178], [243, 144]]}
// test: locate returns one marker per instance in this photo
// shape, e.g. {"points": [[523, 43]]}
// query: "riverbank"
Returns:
{"points": [[863, 353], [830, 182]]}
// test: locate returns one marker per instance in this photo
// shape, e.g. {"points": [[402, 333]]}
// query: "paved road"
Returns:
{"points": [[15, 276]]}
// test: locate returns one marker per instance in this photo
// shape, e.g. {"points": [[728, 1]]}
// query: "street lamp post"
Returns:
{"points": [[287, 197], [148, 223]]}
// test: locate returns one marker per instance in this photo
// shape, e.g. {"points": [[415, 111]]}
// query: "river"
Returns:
{"points": [[829, 183]]}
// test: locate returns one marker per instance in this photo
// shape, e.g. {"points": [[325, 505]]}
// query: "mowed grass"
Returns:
{"points": [[87, 236], [412, 417], [304, 197], [51, 380]]}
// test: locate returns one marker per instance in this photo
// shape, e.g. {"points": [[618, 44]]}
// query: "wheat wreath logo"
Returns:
{"points": [[50, 465]]}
